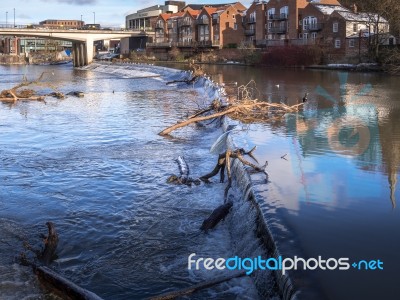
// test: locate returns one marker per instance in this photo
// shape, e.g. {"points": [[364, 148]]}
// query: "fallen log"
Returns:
{"points": [[197, 287], [62, 286], [50, 245], [187, 81], [216, 216], [196, 119], [247, 111], [34, 98]]}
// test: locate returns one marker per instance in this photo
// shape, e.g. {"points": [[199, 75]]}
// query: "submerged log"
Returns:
{"points": [[50, 245], [62, 286], [216, 216], [197, 287], [76, 94]]}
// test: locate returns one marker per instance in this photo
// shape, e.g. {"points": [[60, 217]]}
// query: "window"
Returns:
{"points": [[337, 43], [271, 13], [351, 43], [284, 11], [355, 27], [336, 27], [314, 35], [235, 26], [233, 17], [305, 36]]}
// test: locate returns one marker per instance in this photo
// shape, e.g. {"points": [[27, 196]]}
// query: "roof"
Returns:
{"points": [[361, 17], [193, 12], [167, 16], [328, 9], [211, 10], [200, 6], [366, 33]]}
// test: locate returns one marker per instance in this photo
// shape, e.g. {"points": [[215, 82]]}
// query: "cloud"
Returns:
{"points": [[77, 2]]}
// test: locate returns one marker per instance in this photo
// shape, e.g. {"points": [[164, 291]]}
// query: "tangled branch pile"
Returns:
{"points": [[14, 94], [244, 108]]}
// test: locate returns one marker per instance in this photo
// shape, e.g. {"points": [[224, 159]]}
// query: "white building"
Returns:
{"points": [[145, 19]]}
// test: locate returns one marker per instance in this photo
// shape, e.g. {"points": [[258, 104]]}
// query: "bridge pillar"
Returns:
{"points": [[78, 54], [83, 53], [89, 50]]}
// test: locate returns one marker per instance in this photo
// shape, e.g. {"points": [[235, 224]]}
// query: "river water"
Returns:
{"points": [[334, 193], [96, 167]]}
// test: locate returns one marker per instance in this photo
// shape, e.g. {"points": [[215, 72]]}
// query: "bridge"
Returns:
{"points": [[82, 40]]}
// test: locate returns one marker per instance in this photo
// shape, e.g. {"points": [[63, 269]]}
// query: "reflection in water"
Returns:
{"points": [[335, 195], [354, 114]]}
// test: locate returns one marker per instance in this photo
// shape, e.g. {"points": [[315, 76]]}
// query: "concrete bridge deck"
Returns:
{"points": [[82, 40]]}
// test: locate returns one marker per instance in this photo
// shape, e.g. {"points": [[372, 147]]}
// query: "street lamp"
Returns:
{"points": [[6, 18], [14, 17], [81, 23], [94, 18]]}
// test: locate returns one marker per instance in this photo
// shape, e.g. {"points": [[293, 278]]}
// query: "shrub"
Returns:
{"points": [[293, 56]]}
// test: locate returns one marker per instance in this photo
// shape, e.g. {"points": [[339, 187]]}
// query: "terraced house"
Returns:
{"points": [[339, 31], [212, 26]]}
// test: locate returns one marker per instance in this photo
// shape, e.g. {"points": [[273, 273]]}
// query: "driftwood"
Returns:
{"points": [[246, 108], [197, 287], [197, 72], [216, 216], [14, 94], [48, 252], [248, 111], [50, 245], [62, 286], [54, 282], [224, 161]]}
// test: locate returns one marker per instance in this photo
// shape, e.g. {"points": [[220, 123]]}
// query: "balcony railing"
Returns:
{"points": [[278, 17], [278, 29], [203, 21], [251, 20], [208, 44], [313, 27], [159, 45], [249, 32], [185, 23], [302, 42], [287, 42]]}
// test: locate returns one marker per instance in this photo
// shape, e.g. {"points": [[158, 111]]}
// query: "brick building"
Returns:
{"points": [[254, 23], [312, 21], [349, 34], [210, 27], [62, 24]]}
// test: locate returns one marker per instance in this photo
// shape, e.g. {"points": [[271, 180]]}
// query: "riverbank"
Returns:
{"points": [[12, 59]]}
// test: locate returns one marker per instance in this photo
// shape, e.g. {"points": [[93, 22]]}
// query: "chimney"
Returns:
{"points": [[354, 7]]}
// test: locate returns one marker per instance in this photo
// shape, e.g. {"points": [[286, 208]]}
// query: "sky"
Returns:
{"points": [[107, 13]]}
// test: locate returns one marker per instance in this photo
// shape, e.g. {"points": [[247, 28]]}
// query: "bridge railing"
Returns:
{"points": [[17, 26], [40, 27]]}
